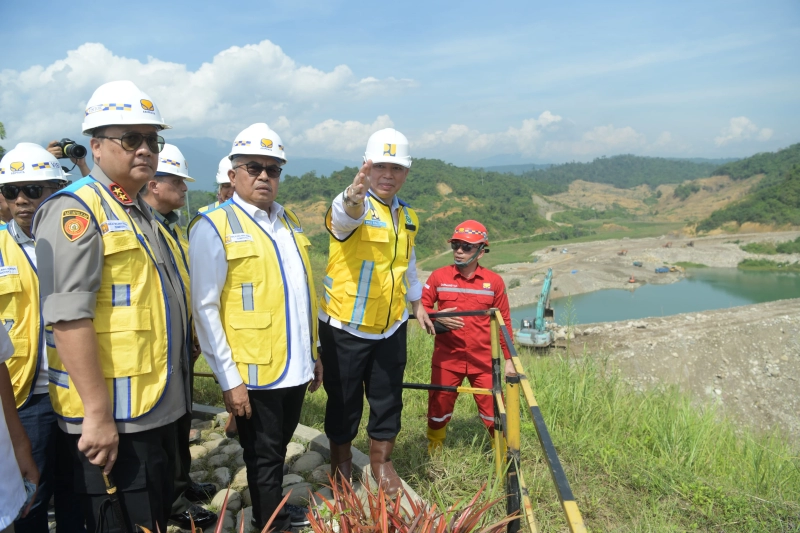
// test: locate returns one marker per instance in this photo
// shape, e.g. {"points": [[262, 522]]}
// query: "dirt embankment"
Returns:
{"points": [[745, 359], [592, 266]]}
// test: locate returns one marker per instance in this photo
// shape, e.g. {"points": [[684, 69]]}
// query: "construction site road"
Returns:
{"points": [[596, 265]]}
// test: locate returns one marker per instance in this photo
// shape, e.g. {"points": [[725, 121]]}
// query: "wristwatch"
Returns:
{"points": [[347, 201]]}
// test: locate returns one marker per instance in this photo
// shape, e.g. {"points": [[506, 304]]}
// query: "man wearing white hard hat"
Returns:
{"points": [[224, 187], [254, 307], [117, 309], [370, 279], [28, 175], [165, 194]]}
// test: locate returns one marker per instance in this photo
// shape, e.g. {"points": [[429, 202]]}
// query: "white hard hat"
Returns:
{"points": [[120, 102], [30, 162], [388, 146], [258, 139], [171, 161], [222, 171]]}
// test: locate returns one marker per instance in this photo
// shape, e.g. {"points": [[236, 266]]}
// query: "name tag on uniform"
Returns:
{"points": [[297, 229], [8, 270], [114, 225], [238, 237], [375, 223]]}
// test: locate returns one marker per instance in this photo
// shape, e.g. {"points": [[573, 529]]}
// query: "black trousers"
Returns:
{"points": [[183, 463], [143, 473], [264, 436], [353, 367]]}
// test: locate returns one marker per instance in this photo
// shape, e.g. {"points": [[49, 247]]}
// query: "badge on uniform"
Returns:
{"points": [[238, 237], [8, 270], [487, 285], [375, 223], [121, 195], [114, 225], [74, 223]]}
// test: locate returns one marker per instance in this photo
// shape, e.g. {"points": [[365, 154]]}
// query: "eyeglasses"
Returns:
{"points": [[255, 170], [467, 247], [34, 192], [132, 140]]}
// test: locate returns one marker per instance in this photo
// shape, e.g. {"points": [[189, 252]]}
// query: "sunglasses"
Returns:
{"points": [[34, 192], [467, 247], [255, 170], [132, 140]]}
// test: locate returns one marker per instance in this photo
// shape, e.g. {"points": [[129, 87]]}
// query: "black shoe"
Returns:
{"points": [[200, 492], [298, 515], [202, 518]]}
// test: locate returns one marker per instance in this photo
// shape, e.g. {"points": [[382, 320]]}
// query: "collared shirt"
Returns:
{"points": [[28, 246], [342, 226], [69, 278], [209, 272], [467, 350]]}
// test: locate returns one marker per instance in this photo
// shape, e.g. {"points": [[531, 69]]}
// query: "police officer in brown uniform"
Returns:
{"points": [[113, 299]]}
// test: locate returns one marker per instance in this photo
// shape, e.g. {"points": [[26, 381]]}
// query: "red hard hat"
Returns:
{"points": [[471, 231]]}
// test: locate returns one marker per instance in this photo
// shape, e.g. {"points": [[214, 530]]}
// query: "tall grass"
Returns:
{"points": [[637, 461]]}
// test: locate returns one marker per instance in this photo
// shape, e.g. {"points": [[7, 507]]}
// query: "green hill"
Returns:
{"points": [[442, 195], [773, 165], [776, 204], [623, 172]]}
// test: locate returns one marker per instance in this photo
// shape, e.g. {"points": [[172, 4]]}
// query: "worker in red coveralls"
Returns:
{"points": [[463, 347]]}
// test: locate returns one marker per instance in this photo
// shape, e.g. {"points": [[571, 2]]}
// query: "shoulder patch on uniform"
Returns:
{"points": [[74, 223], [121, 195]]}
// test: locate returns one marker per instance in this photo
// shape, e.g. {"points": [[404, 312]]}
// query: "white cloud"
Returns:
{"points": [[523, 139], [600, 140], [741, 129], [239, 86], [337, 138]]}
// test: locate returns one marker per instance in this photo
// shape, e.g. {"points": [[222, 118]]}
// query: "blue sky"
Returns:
{"points": [[465, 81]]}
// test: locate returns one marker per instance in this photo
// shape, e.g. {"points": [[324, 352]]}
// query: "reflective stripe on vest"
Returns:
{"points": [[465, 291]]}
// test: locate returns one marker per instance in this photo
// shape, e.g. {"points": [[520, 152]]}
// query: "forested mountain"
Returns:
{"points": [[623, 172], [776, 204], [443, 195], [774, 165]]}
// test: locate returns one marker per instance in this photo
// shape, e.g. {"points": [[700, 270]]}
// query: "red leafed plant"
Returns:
{"points": [[346, 512]]}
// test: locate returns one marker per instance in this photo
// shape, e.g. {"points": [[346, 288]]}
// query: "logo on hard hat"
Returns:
{"points": [[148, 106], [171, 162], [280, 147], [242, 143], [41, 166], [17, 166], [390, 149], [266, 143]]}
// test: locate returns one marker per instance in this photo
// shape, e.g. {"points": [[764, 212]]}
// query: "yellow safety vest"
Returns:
{"points": [[180, 252], [20, 315], [365, 282], [253, 304], [131, 316]]}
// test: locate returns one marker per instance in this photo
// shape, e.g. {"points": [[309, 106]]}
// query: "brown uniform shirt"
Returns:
{"points": [[69, 278]]}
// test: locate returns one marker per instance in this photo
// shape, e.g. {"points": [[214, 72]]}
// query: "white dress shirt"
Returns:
{"points": [[27, 244], [208, 274], [342, 226]]}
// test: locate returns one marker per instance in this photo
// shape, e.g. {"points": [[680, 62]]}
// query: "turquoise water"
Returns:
{"points": [[702, 290]]}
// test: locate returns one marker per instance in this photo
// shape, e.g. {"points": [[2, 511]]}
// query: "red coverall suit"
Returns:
{"points": [[467, 351]]}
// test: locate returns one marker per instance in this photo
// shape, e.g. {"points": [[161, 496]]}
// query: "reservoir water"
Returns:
{"points": [[702, 290]]}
